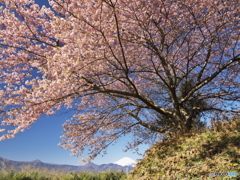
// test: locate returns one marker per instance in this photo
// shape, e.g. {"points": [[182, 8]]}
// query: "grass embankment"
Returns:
{"points": [[58, 175], [193, 156]]}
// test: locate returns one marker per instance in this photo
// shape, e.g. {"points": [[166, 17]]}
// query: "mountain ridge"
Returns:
{"points": [[18, 166]]}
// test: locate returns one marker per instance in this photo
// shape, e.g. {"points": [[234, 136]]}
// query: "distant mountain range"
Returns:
{"points": [[18, 166]]}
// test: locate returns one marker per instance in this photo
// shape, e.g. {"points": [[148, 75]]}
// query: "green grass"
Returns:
{"points": [[59, 175]]}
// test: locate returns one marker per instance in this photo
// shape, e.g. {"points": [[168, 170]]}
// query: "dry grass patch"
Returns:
{"points": [[193, 156]]}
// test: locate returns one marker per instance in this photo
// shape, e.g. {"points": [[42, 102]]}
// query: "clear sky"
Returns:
{"points": [[40, 142]]}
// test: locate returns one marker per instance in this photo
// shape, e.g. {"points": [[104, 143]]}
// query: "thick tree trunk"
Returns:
{"points": [[189, 125]]}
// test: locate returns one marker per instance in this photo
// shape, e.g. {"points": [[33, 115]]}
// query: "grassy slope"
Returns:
{"points": [[193, 156]]}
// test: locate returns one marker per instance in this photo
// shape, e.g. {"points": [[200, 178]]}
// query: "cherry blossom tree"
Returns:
{"points": [[129, 67]]}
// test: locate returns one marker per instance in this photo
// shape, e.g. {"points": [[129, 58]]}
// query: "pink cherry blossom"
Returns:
{"points": [[124, 65]]}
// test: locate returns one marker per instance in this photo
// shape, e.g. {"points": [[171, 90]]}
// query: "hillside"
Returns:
{"points": [[193, 156]]}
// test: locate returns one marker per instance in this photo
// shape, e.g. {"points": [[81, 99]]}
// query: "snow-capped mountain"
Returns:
{"points": [[126, 161], [18, 165]]}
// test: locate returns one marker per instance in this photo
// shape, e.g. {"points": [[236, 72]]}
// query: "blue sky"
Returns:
{"points": [[40, 142]]}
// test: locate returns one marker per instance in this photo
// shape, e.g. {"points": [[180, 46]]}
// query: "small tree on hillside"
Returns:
{"points": [[120, 62]]}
